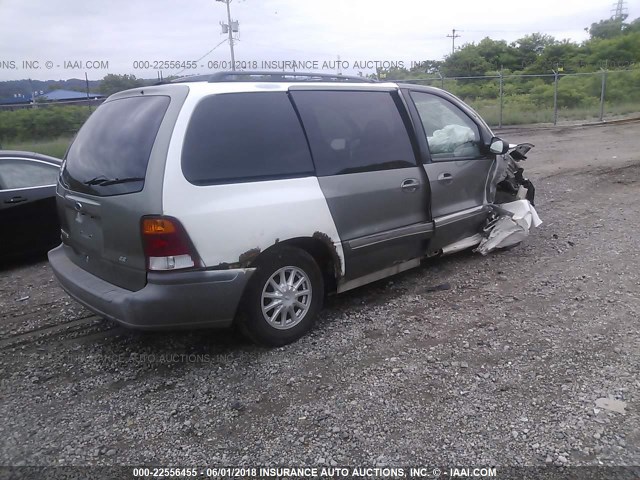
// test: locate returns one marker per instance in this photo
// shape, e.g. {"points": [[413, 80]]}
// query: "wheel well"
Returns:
{"points": [[327, 260]]}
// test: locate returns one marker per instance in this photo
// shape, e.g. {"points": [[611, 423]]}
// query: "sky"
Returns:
{"points": [[61, 39]]}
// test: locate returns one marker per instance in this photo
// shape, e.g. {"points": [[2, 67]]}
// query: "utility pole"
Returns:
{"points": [[86, 82], [33, 95], [453, 37], [229, 28], [619, 11]]}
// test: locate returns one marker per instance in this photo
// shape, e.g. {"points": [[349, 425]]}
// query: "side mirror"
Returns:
{"points": [[498, 146]]}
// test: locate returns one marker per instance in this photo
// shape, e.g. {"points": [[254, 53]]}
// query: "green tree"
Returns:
{"points": [[530, 47], [609, 28], [498, 54], [615, 53], [427, 68], [466, 62], [563, 55], [632, 27], [116, 83]]}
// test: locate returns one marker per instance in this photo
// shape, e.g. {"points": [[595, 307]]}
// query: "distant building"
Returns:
{"points": [[56, 97], [64, 95], [13, 100], [21, 100]]}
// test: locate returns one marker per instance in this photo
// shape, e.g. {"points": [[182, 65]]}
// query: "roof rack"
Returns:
{"points": [[265, 76]]}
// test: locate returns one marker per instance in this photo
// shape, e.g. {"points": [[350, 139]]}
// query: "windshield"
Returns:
{"points": [[111, 152]]}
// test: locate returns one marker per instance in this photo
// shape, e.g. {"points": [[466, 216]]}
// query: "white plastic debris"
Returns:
{"points": [[510, 228], [611, 404]]}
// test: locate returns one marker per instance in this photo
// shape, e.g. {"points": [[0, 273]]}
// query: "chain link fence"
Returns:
{"points": [[502, 100], [547, 98]]}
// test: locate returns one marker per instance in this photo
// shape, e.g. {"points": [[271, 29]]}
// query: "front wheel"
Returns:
{"points": [[283, 297]]}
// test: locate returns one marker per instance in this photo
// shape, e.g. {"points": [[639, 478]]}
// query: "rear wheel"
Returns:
{"points": [[283, 298]]}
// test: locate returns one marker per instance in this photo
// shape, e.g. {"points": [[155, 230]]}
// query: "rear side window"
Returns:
{"points": [[353, 132], [238, 137], [111, 151]]}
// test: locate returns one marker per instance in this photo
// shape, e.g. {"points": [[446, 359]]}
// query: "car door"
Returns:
{"points": [[458, 166], [27, 205], [366, 165]]}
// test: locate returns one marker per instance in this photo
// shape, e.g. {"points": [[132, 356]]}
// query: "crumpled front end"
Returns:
{"points": [[511, 199], [508, 182]]}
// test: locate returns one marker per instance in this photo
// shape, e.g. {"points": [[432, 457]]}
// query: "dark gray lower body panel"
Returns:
{"points": [[370, 254], [191, 299], [452, 228], [379, 275], [381, 217]]}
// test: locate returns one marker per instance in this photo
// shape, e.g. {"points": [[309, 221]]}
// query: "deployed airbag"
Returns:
{"points": [[449, 138]]}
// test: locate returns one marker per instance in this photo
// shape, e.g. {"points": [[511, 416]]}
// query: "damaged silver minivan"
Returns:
{"points": [[245, 197]]}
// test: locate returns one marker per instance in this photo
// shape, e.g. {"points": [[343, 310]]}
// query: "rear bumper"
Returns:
{"points": [[170, 300]]}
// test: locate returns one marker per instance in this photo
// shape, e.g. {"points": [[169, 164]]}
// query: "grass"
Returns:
{"points": [[514, 114], [55, 148]]}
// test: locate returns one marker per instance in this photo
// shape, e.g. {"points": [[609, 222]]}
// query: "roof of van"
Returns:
{"points": [[261, 77], [266, 76], [257, 81]]}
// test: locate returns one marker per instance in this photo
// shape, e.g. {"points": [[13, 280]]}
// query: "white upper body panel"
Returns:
{"points": [[225, 221]]}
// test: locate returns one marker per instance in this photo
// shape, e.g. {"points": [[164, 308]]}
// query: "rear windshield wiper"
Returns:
{"points": [[103, 182]]}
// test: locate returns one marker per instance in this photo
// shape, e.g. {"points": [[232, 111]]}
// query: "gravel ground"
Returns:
{"points": [[495, 360]]}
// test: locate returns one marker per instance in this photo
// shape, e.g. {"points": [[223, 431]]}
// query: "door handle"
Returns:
{"points": [[445, 177], [410, 185], [16, 200]]}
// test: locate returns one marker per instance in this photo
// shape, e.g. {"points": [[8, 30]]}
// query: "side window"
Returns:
{"points": [[21, 173], [450, 132], [244, 137], [353, 131]]}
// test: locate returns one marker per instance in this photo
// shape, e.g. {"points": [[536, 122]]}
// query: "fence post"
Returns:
{"points": [[441, 80], [555, 97], [501, 97], [604, 87]]}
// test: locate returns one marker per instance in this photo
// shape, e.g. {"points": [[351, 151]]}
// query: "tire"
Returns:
{"points": [[273, 311]]}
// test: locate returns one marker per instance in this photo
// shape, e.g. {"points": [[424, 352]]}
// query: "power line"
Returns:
{"points": [[453, 37], [180, 71]]}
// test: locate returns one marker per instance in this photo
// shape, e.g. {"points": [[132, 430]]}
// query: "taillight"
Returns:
{"points": [[166, 244]]}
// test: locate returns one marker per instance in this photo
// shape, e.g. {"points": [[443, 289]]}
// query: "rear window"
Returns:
{"points": [[239, 137], [111, 152]]}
